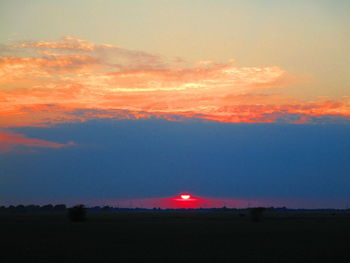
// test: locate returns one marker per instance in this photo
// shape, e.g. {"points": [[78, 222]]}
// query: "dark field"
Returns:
{"points": [[176, 237]]}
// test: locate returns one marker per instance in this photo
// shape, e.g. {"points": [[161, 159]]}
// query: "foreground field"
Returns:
{"points": [[176, 237]]}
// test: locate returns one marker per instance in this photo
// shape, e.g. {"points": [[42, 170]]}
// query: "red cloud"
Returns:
{"points": [[9, 142]]}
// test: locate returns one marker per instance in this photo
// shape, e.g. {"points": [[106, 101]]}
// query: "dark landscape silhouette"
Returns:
{"points": [[57, 233]]}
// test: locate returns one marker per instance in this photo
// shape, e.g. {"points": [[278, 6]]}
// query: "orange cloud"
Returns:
{"points": [[75, 80], [9, 142]]}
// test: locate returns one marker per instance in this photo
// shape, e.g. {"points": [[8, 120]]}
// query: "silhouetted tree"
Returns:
{"points": [[77, 213], [257, 213], [60, 207], [48, 207]]}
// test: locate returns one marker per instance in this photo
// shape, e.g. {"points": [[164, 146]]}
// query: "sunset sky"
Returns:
{"points": [[240, 102]]}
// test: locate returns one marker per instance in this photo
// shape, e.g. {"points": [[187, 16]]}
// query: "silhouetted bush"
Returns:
{"points": [[77, 213], [20, 208], [32, 208], [106, 208], [257, 213], [48, 207]]}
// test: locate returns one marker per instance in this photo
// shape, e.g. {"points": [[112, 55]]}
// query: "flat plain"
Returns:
{"points": [[158, 236]]}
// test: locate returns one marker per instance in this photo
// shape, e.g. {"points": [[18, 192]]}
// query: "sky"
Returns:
{"points": [[131, 103]]}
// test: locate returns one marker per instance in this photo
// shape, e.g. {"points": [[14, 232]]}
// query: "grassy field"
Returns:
{"points": [[176, 237]]}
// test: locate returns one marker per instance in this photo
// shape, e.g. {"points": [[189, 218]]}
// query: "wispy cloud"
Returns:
{"points": [[114, 56]]}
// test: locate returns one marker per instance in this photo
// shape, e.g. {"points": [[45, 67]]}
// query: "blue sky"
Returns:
{"points": [[112, 159]]}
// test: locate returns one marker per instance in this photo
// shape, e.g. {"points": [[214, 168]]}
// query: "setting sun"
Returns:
{"points": [[185, 196]]}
